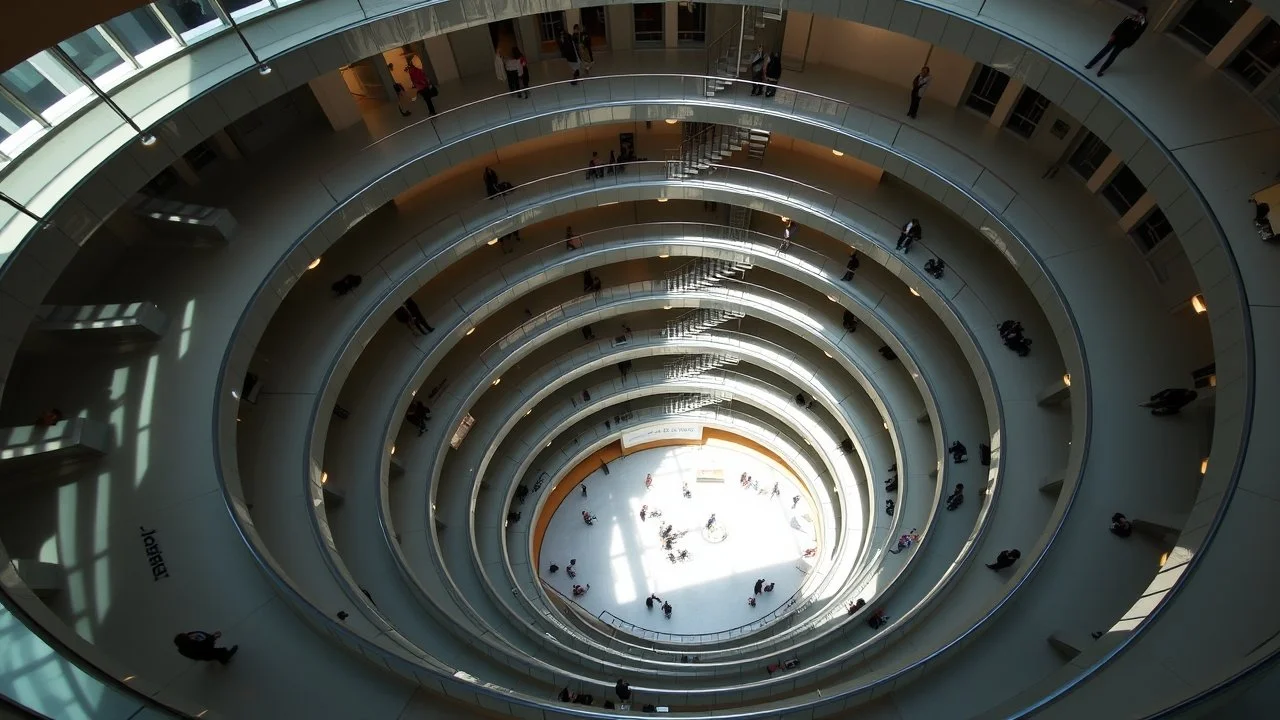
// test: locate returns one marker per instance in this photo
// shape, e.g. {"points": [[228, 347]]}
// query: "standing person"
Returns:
{"points": [[524, 71], [758, 60], [1122, 38], [622, 690], [511, 70], [911, 233], [772, 73], [1005, 559], [851, 267], [399, 92], [787, 232], [583, 41], [404, 317], [418, 319], [918, 84], [584, 489], [200, 645], [569, 51], [422, 84]]}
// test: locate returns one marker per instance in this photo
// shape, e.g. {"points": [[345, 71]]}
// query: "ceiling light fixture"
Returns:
{"points": [[470, 330], [837, 153], [664, 256], [393, 449], [496, 381], [314, 264], [672, 121], [1066, 379], [492, 242], [914, 291], [324, 478], [1204, 466], [663, 199], [1197, 304]]}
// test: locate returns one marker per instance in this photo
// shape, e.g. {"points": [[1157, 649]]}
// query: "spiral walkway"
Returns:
{"points": [[211, 427]]}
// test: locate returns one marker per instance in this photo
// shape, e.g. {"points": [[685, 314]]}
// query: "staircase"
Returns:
{"points": [[696, 322], [729, 56], [685, 402], [702, 147], [703, 273], [694, 365]]}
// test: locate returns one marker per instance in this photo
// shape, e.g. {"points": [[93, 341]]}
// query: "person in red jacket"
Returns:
{"points": [[1124, 36], [423, 85]]}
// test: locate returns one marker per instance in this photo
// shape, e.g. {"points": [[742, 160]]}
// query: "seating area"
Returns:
{"points": [[335, 388]]}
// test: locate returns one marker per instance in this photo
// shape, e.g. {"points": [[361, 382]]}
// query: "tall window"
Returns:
{"points": [[1260, 56], [987, 89], [90, 52], [1124, 190], [1027, 112], [1206, 22], [191, 18], [550, 25], [691, 23], [1089, 156], [138, 32], [648, 24], [595, 25], [1154, 228], [12, 120]]}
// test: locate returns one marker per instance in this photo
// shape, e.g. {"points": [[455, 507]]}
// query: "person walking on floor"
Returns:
{"points": [[1005, 559], [200, 645], [511, 71], [583, 41], [772, 73], [758, 60], [418, 319], [422, 84], [569, 51], [1122, 38], [399, 89], [910, 234], [918, 85]]}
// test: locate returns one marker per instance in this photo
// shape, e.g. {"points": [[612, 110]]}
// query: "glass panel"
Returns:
{"points": [[243, 8], [1206, 22], [648, 23], [550, 25], [987, 90], [91, 53], [594, 24], [1027, 113], [138, 31], [1151, 231], [1124, 190], [11, 119], [1089, 156], [1256, 61], [36, 89], [691, 23], [190, 17]]}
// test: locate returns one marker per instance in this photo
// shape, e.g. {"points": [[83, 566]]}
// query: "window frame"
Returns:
{"points": [[1116, 195], [986, 78], [1024, 122]]}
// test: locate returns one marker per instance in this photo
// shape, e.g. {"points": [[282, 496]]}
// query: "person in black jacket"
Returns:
{"points": [[772, 72], [569, 51], [200, 645], [1124, 36]]}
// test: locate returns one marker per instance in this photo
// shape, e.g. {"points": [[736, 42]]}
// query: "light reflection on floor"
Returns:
{"points": [[623, 560]]}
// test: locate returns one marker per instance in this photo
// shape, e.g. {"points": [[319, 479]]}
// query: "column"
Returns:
{"points": [[671, 24], [1237, 37], [1008, 99], [335, 100], [1139, 211], [440, 54], [1103, 174]]}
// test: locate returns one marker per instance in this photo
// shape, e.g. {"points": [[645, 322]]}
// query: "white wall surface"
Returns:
{"points": [[889, 56]]}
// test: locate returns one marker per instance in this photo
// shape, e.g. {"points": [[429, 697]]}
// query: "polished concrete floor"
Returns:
{"points": [[757, 535]]}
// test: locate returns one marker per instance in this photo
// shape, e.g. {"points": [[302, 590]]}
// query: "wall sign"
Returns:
{"points": [[680, 431], [154, 556]]}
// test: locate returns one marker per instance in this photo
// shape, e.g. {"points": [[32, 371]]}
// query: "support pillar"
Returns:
{"points": [[1237, 37], [671, 24]]}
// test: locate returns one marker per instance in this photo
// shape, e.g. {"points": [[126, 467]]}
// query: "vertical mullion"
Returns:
{"points": [[168, 26], [116, 45]]}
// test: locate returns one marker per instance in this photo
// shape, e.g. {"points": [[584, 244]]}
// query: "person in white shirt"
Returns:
{"points": [[918, 84]]}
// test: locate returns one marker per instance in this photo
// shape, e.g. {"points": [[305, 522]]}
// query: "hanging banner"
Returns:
{"points": [[657, 433]]}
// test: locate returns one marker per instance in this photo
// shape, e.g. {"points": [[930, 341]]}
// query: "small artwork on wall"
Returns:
{"points": [[1060, 129]]}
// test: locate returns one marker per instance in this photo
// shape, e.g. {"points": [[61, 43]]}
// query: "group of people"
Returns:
{"points": [[1011, 334], [653, 598], [514, 68], [759, 587], [617, 163], [492, 185], [575, 48], [422, 87], [909, 235], [906, 541], [766, 70]]}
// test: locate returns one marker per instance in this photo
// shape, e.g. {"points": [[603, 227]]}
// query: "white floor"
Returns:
{"points": [[623, 560]]}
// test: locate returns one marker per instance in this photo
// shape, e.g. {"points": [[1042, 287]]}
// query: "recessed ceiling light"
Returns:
{"points": [[492, 242], [1197, 303], [1204, 466], [314, 264], [837, 153], [324, 478], [663, 199], [471, 330], [672, 121], [666, 307], [664, 256], [824, 352], [496, 381], [914, 292], [393, 449]]}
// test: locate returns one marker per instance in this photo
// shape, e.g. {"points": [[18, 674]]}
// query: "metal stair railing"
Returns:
{"points": [[696, 322]]}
